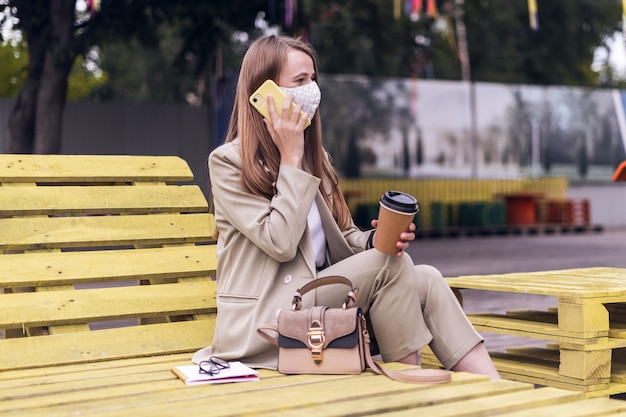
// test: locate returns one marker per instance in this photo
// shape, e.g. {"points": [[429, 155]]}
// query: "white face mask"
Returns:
{"points": [[309, 95]]}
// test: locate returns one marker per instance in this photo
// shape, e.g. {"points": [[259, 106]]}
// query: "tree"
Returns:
{"points": [[352, 163], [56, 34], [363, 37], [55, 38], [352, 36], [518, 148], [582, 156], [13, 72], [419, 148], [503, 48], [35, 123]]}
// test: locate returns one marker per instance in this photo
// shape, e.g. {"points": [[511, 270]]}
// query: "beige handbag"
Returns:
{"points": [[324, 340]]}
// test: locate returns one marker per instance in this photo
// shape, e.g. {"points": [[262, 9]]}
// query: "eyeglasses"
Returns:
{"points": [[212, 366]]}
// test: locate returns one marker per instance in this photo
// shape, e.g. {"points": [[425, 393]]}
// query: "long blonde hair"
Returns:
{"points": [[265, 60]]}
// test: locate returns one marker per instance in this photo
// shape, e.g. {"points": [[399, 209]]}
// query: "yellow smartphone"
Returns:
{"points": [[258, 99]]}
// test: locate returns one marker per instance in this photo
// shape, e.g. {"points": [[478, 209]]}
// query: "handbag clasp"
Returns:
{"points": [[316, 341]]}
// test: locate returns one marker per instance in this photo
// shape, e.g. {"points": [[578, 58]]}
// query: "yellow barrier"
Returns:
{"points": [[367, 191]]}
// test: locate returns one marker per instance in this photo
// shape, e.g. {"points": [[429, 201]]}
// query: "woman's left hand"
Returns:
{"points": [[405, 237]]}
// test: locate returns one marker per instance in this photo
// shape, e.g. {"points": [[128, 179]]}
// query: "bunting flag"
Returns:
{"points": [[431, 9], [624, 18], [532, 14], [416, 9], [94, 6], [397, 6], [288, 13], [450, 32]]}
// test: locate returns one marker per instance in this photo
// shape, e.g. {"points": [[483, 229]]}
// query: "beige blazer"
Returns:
{"points": [[264, 254]]}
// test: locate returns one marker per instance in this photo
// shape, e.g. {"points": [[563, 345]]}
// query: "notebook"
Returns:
{"points": [[238, 372]]}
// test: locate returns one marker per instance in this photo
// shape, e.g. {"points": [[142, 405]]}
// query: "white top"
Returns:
{"points": [[317, 235]]}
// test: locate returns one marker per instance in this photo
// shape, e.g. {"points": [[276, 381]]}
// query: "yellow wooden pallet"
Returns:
{"points": [[106, 268], [587, 325], [79, 233]]}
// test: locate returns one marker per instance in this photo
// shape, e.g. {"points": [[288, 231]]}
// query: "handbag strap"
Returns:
{"points": [[296, 303], [262, 331], [416, 375]]}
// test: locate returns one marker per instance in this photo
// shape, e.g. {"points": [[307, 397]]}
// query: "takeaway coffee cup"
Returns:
{"points": [[395, 214]]}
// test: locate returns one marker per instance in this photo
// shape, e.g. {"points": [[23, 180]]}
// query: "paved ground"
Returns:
{"points": [[501, 254], [524, 253]]}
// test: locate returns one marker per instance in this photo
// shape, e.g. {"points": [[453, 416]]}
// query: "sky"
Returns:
{"points": [[617, 57]]}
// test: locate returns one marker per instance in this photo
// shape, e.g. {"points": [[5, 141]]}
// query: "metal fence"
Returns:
{"points": [[134, 129]]}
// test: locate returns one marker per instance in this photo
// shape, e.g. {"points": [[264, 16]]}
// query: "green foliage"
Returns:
{"points": [[188, 42], [13, 70], [82, 81], [362, 37], [141, 72], [503, 48], [163, 50]]}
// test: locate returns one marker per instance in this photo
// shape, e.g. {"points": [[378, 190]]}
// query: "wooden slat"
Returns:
{"points": [[409, 399], [532, 315], [534, 329], [268, 396], [54, 200], [537, 369], [592, 407], [156, 339], [361, 396], [515, 326], [85, 371], [491, 405], [43, 269], [68, 232], [618, 366], [52, 386], [549, 354], [94, 385], [608, 284], [92, 168], [541, 366], [102, 304]]}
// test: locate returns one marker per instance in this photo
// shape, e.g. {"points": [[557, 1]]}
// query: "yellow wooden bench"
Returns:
{"points": [[105, 271], [584, 333]]}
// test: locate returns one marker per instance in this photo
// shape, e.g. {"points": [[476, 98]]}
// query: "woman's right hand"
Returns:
{"points": [[287, 131]]}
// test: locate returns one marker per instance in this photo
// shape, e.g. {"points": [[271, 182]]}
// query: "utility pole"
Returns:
{"points": [[466, 76]]}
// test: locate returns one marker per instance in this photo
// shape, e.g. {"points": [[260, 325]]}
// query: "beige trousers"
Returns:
{"points": [[409, 306]]}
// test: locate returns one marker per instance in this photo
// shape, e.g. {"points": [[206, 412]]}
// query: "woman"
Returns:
{"points": [[282, 221]]}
